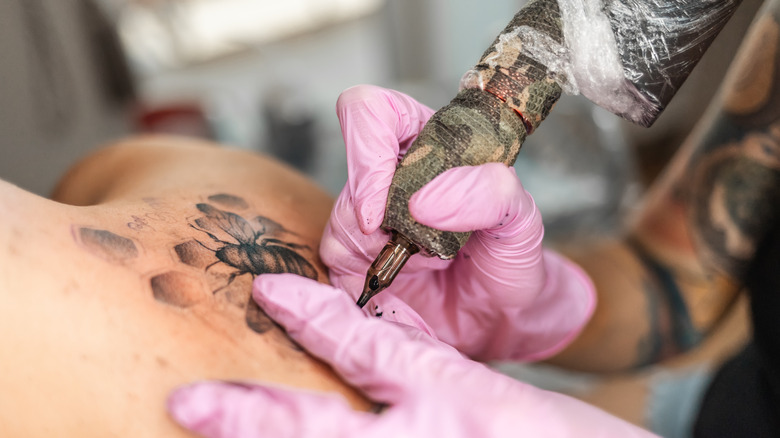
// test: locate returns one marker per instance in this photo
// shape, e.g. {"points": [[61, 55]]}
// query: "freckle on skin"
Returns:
{"points": [[161, 362]]}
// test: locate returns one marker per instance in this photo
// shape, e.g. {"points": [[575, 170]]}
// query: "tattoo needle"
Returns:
{"points": [[386, 266]]}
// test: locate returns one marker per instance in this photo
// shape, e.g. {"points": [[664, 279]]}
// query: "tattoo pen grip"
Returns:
{"points": [[505, 97], [508, 95]]}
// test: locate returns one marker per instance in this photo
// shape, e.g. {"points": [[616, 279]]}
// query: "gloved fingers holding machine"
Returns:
{"points": [[430, 389], [502, 281]]}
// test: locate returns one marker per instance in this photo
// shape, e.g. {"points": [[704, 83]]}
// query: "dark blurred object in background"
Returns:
{"points": [[109, 57], [291, 127], [65, 88]]}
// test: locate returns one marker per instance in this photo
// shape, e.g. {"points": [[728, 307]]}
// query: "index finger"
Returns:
{"points": [[378, 126], [378, 357]]}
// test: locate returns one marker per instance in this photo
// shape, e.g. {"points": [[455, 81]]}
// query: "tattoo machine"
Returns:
{"points": [[627, 56]]}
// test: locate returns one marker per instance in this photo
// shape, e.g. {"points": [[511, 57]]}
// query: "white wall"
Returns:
{"points": [[52, 108]]}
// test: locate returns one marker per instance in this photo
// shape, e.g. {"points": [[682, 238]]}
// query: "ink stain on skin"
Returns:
{"points": [[107, 245], [229, 201], [178, 289]]}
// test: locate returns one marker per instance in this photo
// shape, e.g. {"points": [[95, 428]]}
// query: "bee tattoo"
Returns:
{"points": [[250, 252]]}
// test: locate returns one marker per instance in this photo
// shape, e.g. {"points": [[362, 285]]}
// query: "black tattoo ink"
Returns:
{"points": [[268, 226], [139, 224], [237, 246], [649, 347], [257, 319], [229, 201], [107, 245], [734, 189], [162, 217], [178, 289], [247, 248], [736, 197], [251, 254], [261, 323], [374, 283], [193, 253]]}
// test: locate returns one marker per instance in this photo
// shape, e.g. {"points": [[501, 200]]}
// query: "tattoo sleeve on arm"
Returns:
{"points": [[671, 328], [735, 187], [718, 198]]}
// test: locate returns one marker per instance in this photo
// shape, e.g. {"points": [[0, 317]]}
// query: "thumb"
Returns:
{"points": [[378, 126]]}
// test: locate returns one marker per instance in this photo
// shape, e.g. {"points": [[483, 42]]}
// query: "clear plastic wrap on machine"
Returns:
{"points": [[628, 56]]}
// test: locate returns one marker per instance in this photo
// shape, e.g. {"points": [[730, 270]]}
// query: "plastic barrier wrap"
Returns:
{"points": [[628, 56]]}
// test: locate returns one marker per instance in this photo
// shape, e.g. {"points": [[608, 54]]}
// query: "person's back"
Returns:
{"points": [[107, 307]]}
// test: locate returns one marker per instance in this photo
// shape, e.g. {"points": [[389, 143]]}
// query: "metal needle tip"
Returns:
{"points": [[363, 300], [386, 266]]}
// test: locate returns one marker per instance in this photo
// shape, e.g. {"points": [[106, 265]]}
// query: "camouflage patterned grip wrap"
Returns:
{"points": [[480, 125]]}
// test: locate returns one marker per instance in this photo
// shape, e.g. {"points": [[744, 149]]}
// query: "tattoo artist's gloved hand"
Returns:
{"points": [[431, 390], [503, 296]]}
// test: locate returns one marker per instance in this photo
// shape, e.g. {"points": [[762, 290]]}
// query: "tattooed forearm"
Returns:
{"points": [[735, 188]]}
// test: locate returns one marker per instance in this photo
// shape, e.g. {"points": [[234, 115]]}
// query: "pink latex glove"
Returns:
{"points": [[503, 296], [431, 390]]}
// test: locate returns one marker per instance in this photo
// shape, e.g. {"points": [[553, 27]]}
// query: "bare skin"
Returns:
{"points": [[143, 283]]}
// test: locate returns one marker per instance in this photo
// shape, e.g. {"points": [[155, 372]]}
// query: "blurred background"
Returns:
{"points": [[264, 75]]}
